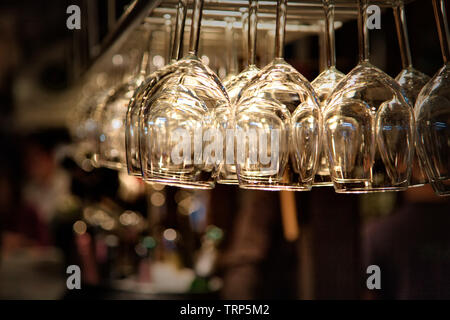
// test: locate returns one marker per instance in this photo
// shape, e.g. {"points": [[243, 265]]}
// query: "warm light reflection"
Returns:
{"points": [[79, 227], [157, 199], [170, 234]]}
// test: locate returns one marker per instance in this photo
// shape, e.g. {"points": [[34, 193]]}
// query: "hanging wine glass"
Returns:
{"points": [[112, 113], [142, 92], [369, 127], [176, 144], [80, 120], [278, 125], [106, 75], [410, 80], [234, 87], [433, 114], [324, 84]]}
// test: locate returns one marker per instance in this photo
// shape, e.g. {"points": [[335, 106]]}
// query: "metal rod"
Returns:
{"points": [[130, 19]]}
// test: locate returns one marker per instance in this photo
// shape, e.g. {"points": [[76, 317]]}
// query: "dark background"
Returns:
{"points": [[36, 45]]}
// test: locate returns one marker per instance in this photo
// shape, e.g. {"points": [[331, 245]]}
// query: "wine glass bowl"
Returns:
{"points": [[268, 116], [323, 85], [111, 112], [369, 133], [111, 117], [234, 87], [296, 131], [82, 123], [136, 105], [412, 81], [176, 113], [171, 126], [432, 112], [282, 120], [433, 130]]}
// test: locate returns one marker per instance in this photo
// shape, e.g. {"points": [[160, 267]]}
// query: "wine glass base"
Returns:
{"points": [[371, 190], [417, 185], [230, 178], [322, 180], [109, 164], [443, 194], [228, 181], [133, 170], [322, 184], [274, 187], [182, 184], [202, 181], [366, 187], [135, 174], [441, 187]]}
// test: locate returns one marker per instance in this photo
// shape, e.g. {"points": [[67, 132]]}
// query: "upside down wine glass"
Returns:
{"points": [[369, 127], [410, 80], [433, 114], [112, 113], [141, 94], [93, 95], [83, 127], [278, 125], [324, 84], [178, 144], [234, 86]]}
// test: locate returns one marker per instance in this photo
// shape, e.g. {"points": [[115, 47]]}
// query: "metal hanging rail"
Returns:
{"points": [[133, 16], [304, 17]]}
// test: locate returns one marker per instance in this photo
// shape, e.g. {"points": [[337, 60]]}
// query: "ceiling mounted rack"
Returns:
{"points": [[304, 17]]}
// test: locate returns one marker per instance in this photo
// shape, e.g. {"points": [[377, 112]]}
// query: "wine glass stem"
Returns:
{"points": [[280, 28], [177, 45], [329, 33], [402, 34], [244, 21], [169, 36], [231, 49], [269, 54], [195, 26], [145, 61], [442, 25], [252, 31], [363, 32]]}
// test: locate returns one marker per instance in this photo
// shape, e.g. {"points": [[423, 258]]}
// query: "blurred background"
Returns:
{"points": [[133, 240]]}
